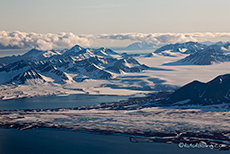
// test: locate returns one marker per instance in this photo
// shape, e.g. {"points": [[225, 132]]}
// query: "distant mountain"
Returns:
{"points": [[208, 43], [74, 65], [219, 52], [216, 91], [224, 46], [141, 46], [33, 54], [182, 48]]}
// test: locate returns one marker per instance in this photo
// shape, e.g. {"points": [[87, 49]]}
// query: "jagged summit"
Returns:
{"points": [[33, 51], [76, 48], [30, 76]]}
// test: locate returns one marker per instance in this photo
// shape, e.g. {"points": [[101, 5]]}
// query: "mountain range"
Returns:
{"points": [[216, 53], [183, 48], [78, 64], [68, 65], [142, 46]]}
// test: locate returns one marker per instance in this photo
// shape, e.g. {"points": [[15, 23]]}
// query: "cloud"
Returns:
{"points": [[165, 38], [22, 40]]}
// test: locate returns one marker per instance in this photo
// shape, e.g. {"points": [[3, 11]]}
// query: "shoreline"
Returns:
{"points": [[64, 141], [140, 125], [188, 139], [64, 95]]}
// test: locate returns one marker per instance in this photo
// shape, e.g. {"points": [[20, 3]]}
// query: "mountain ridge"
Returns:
{"points": [[172, 50], [216, 91], [101, 63], [213, 54]]}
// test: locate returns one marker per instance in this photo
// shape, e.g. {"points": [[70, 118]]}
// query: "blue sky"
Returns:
{"points": [[115, 16], [142, 19]]}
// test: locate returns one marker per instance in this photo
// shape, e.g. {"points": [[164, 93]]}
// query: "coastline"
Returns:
{"points": [[63, 141], [170, 128], [54, 102]]}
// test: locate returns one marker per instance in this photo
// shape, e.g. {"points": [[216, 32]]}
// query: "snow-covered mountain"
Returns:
{"points": [[75, 64], [19, 72], [33, 54], [216, 91], [224, 46], [182, 48], [208, 43], [219, 52], [141, 46], [127, 64]]}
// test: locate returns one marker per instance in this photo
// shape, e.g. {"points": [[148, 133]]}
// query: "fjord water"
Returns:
{"points": [[37, 141], [52, 102]]}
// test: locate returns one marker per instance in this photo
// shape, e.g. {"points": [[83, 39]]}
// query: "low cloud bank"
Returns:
{"points": [[22, 40], [165, 38]]}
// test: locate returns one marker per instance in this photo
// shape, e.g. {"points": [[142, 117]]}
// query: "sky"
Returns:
{"points": [[112, 17]]}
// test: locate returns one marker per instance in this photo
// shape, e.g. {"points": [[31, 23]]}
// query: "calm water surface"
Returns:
{"points": [[42, 141], [51, 102]]}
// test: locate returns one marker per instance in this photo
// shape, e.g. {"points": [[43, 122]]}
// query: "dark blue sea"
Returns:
{"points": [[51, 102], [48, 141]]}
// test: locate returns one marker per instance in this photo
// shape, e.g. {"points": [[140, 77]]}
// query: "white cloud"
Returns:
{"points": [[165, 38], [21, 40]]}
